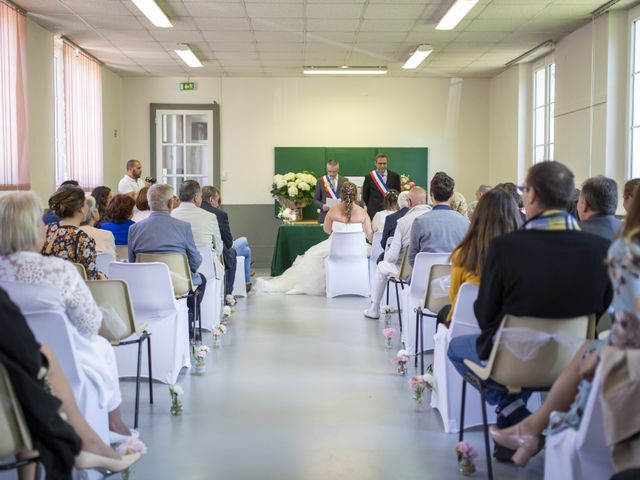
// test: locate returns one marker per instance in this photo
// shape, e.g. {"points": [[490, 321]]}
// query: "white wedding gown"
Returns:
{"points": [[306, 275]]}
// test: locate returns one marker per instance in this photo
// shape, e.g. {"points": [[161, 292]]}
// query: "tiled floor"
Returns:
{"points": [[302, 388]]}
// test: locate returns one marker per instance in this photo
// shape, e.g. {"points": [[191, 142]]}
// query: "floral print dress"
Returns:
{"points": [[73, 244]]}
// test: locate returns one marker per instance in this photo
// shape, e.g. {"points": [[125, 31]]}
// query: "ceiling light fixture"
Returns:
{"points": [[152, 11], [188, 57], [418, 56], [344, 70], [456, 13]]}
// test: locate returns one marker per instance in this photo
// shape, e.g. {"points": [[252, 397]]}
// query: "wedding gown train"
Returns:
{"points": [[306, 275]]}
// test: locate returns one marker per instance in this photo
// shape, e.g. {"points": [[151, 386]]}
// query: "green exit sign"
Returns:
{"points": [[187, 85]]}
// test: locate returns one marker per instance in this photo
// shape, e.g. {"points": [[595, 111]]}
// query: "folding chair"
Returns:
{"points": [[400, 279], [346, 267], [81, 270], [115, 294]]}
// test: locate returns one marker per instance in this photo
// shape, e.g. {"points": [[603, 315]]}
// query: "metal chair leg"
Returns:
{"points": [[462, 408], [387, 292], [485, 428], [415, 348], [149, 368], [137, 404], [421, 345]]}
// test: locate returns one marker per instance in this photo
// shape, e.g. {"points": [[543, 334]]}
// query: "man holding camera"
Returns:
{"points": [[131, 183]]}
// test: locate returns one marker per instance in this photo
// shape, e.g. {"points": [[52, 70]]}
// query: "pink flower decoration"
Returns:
{"points": [[463, 447], [389, 332], [416, 381], [402, 359]]}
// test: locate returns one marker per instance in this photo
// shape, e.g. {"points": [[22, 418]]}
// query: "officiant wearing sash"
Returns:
{"points": [[377, 183], [328, 189]]}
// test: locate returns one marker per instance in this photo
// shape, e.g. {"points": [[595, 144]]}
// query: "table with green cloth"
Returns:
{"points": [[294, 239]]}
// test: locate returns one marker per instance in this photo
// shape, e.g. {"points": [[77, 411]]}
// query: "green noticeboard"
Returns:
{"points": [[354, 161]]}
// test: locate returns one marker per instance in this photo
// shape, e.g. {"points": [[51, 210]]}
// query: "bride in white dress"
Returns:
{"points": [[306, 275]]}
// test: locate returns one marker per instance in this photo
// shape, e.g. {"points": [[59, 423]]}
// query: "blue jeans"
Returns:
{"points": [[465, 347], [242, 248]]}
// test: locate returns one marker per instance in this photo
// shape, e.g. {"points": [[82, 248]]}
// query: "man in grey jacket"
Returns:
{"points": [[596, 206], [441, 229]]}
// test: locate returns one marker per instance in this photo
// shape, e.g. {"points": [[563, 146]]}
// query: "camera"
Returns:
{"points": [[150, 180]]}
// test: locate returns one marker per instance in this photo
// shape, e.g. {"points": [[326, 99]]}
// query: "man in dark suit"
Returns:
{"points": [[377, 183], [597, 205], [210, 202], [391, 222], [328, 186]]}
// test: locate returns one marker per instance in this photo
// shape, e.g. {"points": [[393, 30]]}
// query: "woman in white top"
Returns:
{"points": [[306, 275], [21, 238], [142, 209], [103, 238], [390, 204]]}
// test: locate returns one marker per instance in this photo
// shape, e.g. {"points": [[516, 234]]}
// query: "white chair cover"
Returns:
{"points": [[239, 284], [346, 267], [40, 304], [412, 296], [376, 250], [103, 259], [211, 306], [167, 319], [583, 453]]}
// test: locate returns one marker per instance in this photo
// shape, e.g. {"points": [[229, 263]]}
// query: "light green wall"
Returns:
{"points": [[111, 100], [40, 107]]}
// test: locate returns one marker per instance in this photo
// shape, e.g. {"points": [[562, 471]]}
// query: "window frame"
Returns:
{"points": [[546, 108]]}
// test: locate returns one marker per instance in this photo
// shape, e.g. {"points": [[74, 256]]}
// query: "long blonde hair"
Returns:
{"points": [[348, 195]]}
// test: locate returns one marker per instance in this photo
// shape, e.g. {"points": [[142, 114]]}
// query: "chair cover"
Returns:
{"points": [[211, 306], [167, 320], [376, 250], [239, 284], [346, 267]]}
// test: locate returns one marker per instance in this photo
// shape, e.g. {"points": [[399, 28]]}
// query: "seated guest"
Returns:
{"points": [[210, 201], [103, 238], [512, 190], [391, 221], [103, 196], [390, 266], [45, 395], [49, 215], [211, 198], [548, 269], [64, 238], [628, 191], [390, 205], [597, 205], [495, 215], [482, 189], [119, 212], [441, 229], [160, 233], [564, 405], [142, 209], [19, 262], [458, 203], [572, 208]]}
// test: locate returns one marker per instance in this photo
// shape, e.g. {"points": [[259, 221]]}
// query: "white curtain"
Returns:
{"points": [[83, 117], [14, 140]]}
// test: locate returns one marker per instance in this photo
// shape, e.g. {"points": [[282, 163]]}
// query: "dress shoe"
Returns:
{"points": [[526, 446], [249, 287], [372, 313], [104, 464], [252, 273]]}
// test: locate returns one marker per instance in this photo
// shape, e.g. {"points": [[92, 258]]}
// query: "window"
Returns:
{"points": [[544, 94], [635, 101], [78, 116], [14, 141]]}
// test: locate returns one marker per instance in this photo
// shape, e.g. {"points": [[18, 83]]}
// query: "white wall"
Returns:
{"points": [[503, 127], [449, 116]]}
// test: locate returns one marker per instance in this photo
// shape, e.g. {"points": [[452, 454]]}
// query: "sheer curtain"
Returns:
{"points": [[14, 141], [83, 117]]}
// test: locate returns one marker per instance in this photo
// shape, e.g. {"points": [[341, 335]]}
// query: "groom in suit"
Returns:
{"points": [[377, 183], [328, 186]]}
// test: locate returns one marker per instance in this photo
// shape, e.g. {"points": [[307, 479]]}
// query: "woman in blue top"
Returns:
{"points": [[119, 212]]}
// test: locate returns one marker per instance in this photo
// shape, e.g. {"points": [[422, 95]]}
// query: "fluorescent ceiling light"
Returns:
{"points": [[344, 70], [456, 13], [189, 57], [418, 56], [153, 13]]}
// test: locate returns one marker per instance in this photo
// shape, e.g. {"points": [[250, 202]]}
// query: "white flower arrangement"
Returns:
{"points": [[226, 311], [287, 215], [176, 392], [294, 186]]}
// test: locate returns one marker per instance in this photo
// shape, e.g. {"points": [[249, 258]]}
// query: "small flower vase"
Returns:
{"points": [[217, 341], [176, 409], [466, 467], [387, 342], [402, 368], [387, 320], [200, 369]]}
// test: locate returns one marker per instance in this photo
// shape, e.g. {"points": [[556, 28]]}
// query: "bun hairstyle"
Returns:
{"points": [[390, 199], [67, 201], [348, 195]]}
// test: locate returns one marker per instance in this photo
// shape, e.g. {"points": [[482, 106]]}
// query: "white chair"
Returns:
{"points": [[103, 259], [346, 267], [376, 250], [239, 284], [40, 305], [166, 317], [413, 295], [211, 306], [583, 453]]}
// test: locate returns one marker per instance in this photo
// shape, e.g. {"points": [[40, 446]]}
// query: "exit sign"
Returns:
{"points": [[187, 85]]}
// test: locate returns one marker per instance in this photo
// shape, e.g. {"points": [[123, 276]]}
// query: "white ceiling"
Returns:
{"points": [[279, 37]]}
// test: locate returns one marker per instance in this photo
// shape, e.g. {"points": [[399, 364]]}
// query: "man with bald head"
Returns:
{"points": [[390, 265]]}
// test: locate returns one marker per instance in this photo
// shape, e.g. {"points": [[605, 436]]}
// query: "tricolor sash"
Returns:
{"points": [[331, 193], [379, 182]]}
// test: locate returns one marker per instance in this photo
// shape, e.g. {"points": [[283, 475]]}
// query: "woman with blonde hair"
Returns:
{"points": [[105, 242], [390, 205], [307, 275]]}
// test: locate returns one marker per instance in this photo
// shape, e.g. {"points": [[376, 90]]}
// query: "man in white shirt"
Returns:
{"points": [[204, 225], [131, 183], [390, 265]]}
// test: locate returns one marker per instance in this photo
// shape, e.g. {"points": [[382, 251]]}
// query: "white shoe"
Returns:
{"points": [[230, 300], [116, 438], [372, 313]]}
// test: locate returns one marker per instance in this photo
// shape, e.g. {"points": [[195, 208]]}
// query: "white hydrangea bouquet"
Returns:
{"points": [[294, 191]]}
